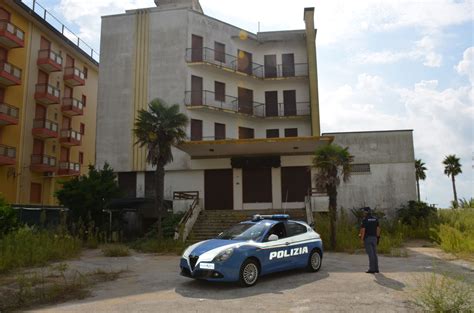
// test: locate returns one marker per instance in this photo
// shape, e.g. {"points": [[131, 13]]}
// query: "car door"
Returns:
{"points": [[298, 245], [272, 254]]}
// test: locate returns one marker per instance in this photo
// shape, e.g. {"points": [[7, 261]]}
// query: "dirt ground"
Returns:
{"points": [[153, 284]]}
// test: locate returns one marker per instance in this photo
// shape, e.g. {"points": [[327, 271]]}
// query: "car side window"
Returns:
{"points": [[294, 229], [277, 229]]}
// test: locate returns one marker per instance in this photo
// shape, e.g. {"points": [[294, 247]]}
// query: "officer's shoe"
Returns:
{"points": [[371, 272]]}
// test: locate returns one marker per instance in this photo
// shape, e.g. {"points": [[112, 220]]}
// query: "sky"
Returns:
{"points": [[382, 65]]}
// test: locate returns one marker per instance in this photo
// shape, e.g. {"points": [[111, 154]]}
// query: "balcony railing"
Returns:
{"points": [[8, 114], [210, 100], [47, 94], [236, 64], [70, 137], [74, 76], [43, 163], [69, 168], [49, 61], [10, 75], [72, 106], [7, 155], [45, 128], [10, 35]]}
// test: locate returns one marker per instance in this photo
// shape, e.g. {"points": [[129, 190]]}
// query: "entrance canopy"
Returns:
{"points": [[254, 147]]}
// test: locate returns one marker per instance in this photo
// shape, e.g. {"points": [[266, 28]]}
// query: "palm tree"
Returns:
{"points": [[158, 129], [420, 174], [332, 163], [452, 167]]}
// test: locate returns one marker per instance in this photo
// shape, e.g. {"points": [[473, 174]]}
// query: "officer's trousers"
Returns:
{"points": [[370, 244]]}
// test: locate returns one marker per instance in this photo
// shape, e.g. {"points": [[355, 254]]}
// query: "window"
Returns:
{"points": [[219, 89], [277, 229], [360, 168], [289, 102], [288, 66], [271, 103], [244, 62], [82, 129], [291, 132], [196, 130], [84, 100], [35, 193], [85, 71], [273, 133], [294, 229], [246, 133], [219, 131], [81, 157], [219, 52], [270, 65]]}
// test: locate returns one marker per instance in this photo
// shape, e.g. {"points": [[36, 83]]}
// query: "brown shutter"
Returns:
{"points": [[3, 54], [244, 62], [295, 183], [196, 90], [38, 146], [273, 133], [64, 157], [35, 193], [69, 61], [196, 130], [291, 132], [271, 103], [43, 78], [40, 112], [218, 189], [219, 52], [66, 124], [245, 100], [4, 14], [257, 185], [45, 44], [219, 131], [67, 92], [196, 48], [288, 66], [246, 133], [289, 102], [219, 89], [270, 66]]}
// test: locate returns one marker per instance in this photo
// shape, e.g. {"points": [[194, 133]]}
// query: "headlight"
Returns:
{"points": [[224, 255]]}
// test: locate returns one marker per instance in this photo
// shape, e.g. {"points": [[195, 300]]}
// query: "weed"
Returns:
{"points": [[115, 250]]}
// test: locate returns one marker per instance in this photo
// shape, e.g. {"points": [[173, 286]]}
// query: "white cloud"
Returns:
{"points": [[466, 65], [423, 50]]}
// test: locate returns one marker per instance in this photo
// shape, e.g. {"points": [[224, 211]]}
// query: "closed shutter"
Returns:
{"points": [[197, 47], [245, 101], [289, 102], [273, 133], [219, 52], [295, 183], [219, 131], [270, 66], [219, 89], [288, 66], [291, 132], [257, 185], [244, 62], [246, 133], [196, 130], [35, 193], [271, 103]]}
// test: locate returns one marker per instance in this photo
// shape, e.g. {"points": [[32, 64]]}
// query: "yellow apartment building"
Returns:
{"points": [[48, 100]]}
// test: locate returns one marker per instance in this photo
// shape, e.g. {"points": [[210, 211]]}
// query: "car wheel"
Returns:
{"points": [[314, 261], [249, 273]]}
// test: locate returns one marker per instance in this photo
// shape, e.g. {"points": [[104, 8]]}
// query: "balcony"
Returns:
{"points": [[224, 61], [11, 36], [8, 114], [10, 75], [70, 137], [72, 107], [69, 168], [49, 61], [47, 94], [210, 101], [42, 163], [297, 70], [74, 77], [7, 155], [44, 128]]}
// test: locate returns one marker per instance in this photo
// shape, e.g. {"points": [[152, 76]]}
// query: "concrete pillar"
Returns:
{"points": [[140, 185], [238, 193], [276, 187], [313, 181]]}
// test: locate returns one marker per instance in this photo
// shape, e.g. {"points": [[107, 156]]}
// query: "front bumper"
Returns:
{"points": [[221, 271]]}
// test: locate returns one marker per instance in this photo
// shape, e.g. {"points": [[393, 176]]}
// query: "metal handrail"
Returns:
{"points": [[188, 195], [12, 29], [7, 151], [65, 165], [43, 159], [10, 69], [70, 133], [9, 110], [73, 102], [45, 123], [50, 54], [71, 70], [185, 195], [49, 89]]}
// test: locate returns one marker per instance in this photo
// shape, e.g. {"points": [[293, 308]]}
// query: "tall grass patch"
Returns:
{"points": [[31, 247], [456, 231]]}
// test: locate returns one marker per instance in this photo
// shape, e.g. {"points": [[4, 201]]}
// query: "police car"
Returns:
{"points": [[250, 249]]}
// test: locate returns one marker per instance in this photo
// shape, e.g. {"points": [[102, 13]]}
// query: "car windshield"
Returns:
{"points": [[244, 231]]}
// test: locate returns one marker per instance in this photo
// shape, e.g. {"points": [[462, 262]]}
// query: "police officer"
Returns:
{"points": [[370, 235]]}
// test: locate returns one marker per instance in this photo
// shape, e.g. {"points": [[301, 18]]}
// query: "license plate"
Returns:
{"points": [[207, 266]]}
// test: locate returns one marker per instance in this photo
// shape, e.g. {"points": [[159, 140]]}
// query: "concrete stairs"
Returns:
{"points": [[212, 222]]}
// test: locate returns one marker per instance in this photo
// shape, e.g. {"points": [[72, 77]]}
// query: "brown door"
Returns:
{"points": [[219, 52], [196, 130], [2, 95], [244, 62], [196, 48], [246, 133], [245, 100], [67, 92], [219, 131], [64, 157], [3, 54], [69, 61], [45, 44], [38, 147], [289, 102], [66, 124], [257, 185], [35, 193], [4, 14], [288, 66], [270, 66], [295, 183], [196, 90], [218, 190], [43, 78], [271, 103], [219, 91], [40, 112]]}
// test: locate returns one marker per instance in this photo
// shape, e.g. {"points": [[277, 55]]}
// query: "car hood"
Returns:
{"points": [[212, 244]]}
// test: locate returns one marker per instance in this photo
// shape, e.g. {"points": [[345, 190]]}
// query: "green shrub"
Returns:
{"points": [[30, 247], [115, 251], [8, 218], [440, 293], [456, 231], [416, 211]]}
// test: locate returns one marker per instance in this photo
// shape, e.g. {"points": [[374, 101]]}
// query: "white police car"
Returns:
{"points": [[264, 245]]}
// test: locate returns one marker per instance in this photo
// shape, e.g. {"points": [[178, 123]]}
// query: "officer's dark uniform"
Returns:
{"points": [[370, 223]]}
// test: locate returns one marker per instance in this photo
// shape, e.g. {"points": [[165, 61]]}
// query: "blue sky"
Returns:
{"points": [[392, 64]]}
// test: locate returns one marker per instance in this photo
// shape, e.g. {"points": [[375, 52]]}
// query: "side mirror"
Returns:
{"points": [[273, 237]]}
